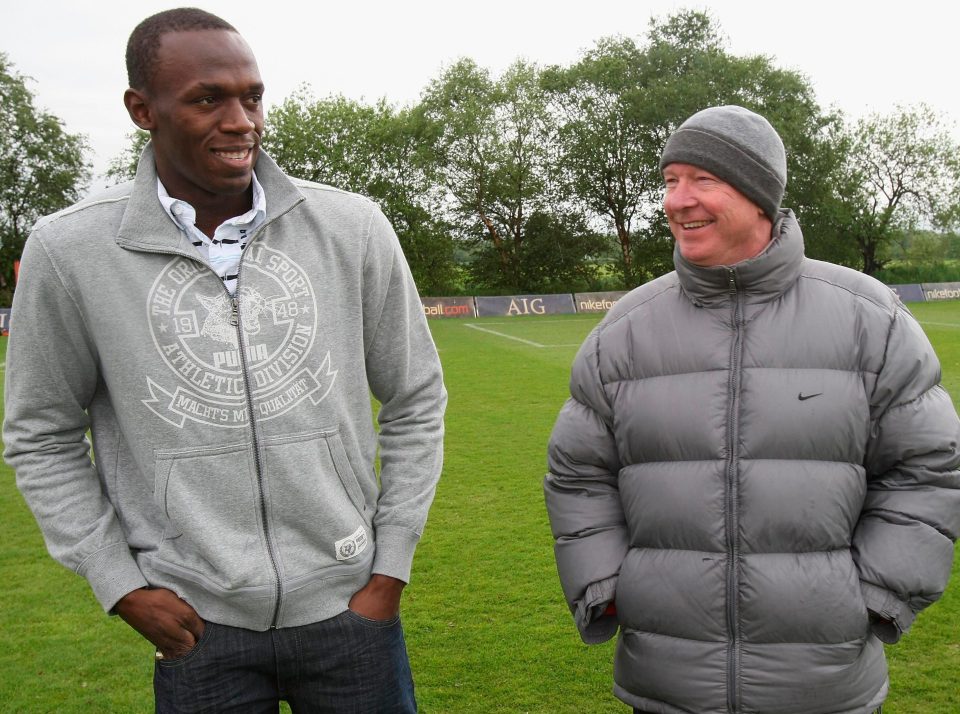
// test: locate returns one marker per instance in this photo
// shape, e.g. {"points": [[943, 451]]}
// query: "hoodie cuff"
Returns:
{"points": [[394, 554], [892, 616], [112, 573]]}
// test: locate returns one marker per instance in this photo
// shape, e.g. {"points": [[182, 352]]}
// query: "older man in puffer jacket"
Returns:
{"points": [[755, 478]]}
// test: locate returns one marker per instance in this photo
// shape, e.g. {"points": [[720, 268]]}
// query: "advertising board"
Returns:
{"points": [[513, 305], [597, 302], [449, 306], [941, 291]]}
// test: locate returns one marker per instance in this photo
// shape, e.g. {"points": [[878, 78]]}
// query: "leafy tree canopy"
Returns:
{"points": [[43, 168], [380, 152], [530, 180], [902, 172]]}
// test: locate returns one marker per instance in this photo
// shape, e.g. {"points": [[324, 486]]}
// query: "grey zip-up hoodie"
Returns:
{"points": [[234, 439], [755, 462]]}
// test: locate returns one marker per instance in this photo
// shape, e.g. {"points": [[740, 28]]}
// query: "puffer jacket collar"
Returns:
{"points": [[146, 226], [761, 278]]}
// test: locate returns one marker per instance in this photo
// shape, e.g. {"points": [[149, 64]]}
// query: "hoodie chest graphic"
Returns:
{"points": [[217, 347]]}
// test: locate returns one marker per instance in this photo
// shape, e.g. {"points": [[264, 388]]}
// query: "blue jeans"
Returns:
{"points": [[345, 665]]}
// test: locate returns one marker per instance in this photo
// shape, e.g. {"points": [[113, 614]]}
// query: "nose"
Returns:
{"points": [[677, 197], [236, 119]]}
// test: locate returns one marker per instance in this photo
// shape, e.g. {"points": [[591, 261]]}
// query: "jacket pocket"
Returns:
{"points": [[209, 496], [315, 506]]}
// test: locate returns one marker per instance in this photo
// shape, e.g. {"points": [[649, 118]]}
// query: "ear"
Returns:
{"points": [[138, 107]]}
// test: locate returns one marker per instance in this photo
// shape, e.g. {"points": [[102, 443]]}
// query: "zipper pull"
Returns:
{"points": [[234, 311]]}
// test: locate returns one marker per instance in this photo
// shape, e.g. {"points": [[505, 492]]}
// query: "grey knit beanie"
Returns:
{"points": [[736, 145]]}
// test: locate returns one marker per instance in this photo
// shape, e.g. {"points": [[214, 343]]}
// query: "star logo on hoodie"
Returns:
{"points": [[262, 340]]}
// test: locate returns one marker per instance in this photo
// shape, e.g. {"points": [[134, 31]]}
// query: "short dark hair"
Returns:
{"points": [[144, 43]]}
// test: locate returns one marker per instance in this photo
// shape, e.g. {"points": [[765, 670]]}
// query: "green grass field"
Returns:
{"points": [[486, 626]]}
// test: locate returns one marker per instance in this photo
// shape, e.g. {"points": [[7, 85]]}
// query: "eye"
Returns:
{"points": [[206, 100]]}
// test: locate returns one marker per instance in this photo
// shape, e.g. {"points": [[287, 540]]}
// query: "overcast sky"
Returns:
{"points": [[860, 56]]}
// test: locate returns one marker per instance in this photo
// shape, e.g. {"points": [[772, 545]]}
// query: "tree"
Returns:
{"points": [[492, 153], [408, 188], [621, 101], [903, 173], [605, 138], [559, 253], [325, 140], [123, 167], [377, 151], [43, 168], [926, 248]]}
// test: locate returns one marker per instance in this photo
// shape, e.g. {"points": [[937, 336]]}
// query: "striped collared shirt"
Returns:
{"points": [[222, 252]]}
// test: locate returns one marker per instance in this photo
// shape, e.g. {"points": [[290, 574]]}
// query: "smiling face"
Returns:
{"points": [[203, 110], [714, 224]]}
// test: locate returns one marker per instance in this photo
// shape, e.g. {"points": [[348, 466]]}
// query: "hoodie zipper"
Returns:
{"points": [[235, 320], [732, 516]]}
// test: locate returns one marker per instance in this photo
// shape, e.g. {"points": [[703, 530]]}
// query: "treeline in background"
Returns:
{"points": [[546, 179]]}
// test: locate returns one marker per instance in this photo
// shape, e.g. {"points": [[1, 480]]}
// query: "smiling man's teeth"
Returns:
{"points": [[233, 154], [695, 224]]}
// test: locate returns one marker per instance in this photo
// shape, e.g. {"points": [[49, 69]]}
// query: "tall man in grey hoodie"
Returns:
{"points": [[755, 477], [219, 328]]}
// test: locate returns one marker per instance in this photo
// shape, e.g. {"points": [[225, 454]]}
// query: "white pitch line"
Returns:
{"points": [[503, 334], [939, 324]]}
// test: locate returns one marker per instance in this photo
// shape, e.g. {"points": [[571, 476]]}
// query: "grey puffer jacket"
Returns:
{"points": [[758, 466]]}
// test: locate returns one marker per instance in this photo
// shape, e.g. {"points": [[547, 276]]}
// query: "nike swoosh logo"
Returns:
{"points": [[804, 397]]}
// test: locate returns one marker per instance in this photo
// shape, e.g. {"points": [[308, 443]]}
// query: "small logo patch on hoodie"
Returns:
{"points": [[351, 546]]}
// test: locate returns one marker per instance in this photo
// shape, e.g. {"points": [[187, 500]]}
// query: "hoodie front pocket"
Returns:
{"points": [[315, 506], [210, 496]]}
